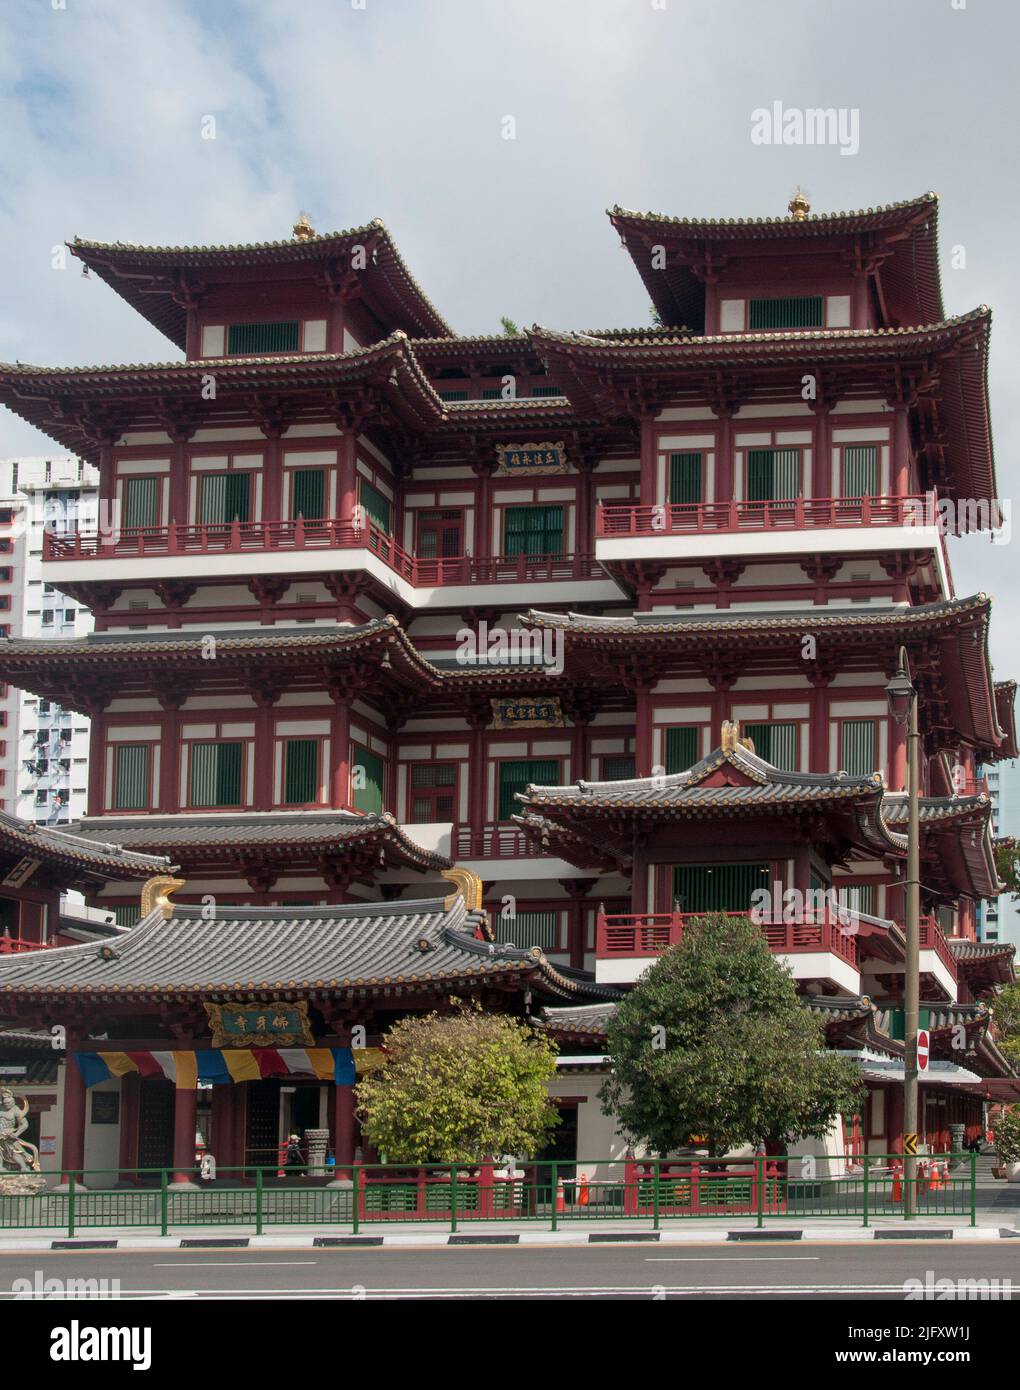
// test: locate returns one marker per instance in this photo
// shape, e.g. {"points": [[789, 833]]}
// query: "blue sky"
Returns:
{"points": [[396, 110]]}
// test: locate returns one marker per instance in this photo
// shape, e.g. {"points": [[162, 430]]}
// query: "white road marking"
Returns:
{"points": [[723, 1259], [229, 1264]]}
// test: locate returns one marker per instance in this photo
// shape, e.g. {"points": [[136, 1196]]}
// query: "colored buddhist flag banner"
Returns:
{"points": [[221, 1066]]}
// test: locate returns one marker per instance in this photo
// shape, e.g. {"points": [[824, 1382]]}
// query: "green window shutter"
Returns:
{"points": [[532, 531], [367, 797], [141, 502], [216, 774], [300, 771], [801, 311], [249, 339], [376, 506], [453, 395], [718, 887], [685, 478], [860, 470], [859, 897], [491, 393], [772, 474], [131, 790], [309, 494], [860, 756], [777, 743], [223, 498], [682, 747], [619, 768], [515, 776], [546, 391]]}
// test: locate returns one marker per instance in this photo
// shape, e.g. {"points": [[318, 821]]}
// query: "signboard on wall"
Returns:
{"points": [[260, 1025], [21, 873], [527, 460], [527, 712]]}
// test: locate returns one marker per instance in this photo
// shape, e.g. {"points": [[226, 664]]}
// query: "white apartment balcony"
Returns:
{"points": [[699, 531], [303, 548]]}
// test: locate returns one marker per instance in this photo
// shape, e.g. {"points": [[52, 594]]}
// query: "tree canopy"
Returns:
{"points": [[458, 1087], [713, 1042]]}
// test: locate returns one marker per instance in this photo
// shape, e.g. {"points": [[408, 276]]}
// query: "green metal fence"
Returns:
{"points": [[639, 1192]]}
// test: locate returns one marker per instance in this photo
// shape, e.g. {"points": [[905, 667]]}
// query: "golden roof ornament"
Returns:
{"points": [[156, 893], [798, 206], [303, 229], [730, 735], [468, 885]]}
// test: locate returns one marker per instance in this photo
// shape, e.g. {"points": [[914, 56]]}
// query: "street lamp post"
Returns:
{"points": [[902, 697]]}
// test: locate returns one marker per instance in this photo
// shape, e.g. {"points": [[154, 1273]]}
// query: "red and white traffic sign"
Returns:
{"points": [[923, 1048]]}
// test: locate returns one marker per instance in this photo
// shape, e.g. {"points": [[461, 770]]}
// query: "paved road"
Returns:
{"points": [[866, 1270]]}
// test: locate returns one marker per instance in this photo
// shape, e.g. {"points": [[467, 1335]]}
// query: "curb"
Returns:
{"points": [[444, 1239]]}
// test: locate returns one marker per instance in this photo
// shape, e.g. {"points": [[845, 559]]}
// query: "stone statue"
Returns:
{"points": [[19, 1160]]}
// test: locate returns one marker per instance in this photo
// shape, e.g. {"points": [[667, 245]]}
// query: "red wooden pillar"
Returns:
{"points": [[639, 882], [97, 765], [894, 1119], [169, 799], [265, 750], [272, 476], [482, 548], [584, 529], [724, 457], [649, 489], [819, 736], [642, 731], [477, 773], [859, 307], [223, 1142], [821, 463], [340, 751], [348, 475], [185, 1117], [72, 1143], [106, 479], [179, 502], [345, 1135], [901, 453], [577, 889]]}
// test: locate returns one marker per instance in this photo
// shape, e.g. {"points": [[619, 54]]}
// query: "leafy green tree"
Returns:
{"points": [[510, 329], [1007, 861], [457, 1087], [1006, 1014], [1006, 1134], [713, 1041]]}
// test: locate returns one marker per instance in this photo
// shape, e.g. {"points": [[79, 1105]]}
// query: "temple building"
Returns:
{"points": [[603, 618]]}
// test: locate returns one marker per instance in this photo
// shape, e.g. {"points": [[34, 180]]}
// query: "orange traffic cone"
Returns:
{"points": [[897, 1185], [561, 1204], [935, 1179], [582, 1191]]}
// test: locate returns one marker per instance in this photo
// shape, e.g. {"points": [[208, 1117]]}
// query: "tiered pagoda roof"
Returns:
{"points": [[387, 951], [155, 280], [956, 684], [899, 241], [73, 860]]}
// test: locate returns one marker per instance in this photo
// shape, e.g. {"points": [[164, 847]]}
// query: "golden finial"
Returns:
{"points": [[730, 735], [303, 229], [156, 893], [798, 206], [469, 887]]}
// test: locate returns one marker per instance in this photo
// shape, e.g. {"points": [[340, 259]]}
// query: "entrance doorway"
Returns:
{"points": [[561, 1148], [156, 1099]]}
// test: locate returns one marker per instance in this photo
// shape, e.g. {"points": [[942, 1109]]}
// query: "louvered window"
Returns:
{"points": [[433, 793], [533, 531], [216, 774], [859, 753], [860, 470], [685, 478], [249, 339], [858, 898], [224, 498], [778, 744], [141, 504], [515, 776], [491, 393], [131, 777], [367, 773], [376, 506], [718, 887], [682, 747], [772, 474], [309, 499], [439, 534], [546, 391], [619, 768], [532, 929], [801, 311], [300, 771], [453, 395]]}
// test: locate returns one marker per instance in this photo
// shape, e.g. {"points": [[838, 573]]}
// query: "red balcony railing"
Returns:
{"points": [[14, 945], [933, 939], [648, 933], [264, 537], [793, 514]]}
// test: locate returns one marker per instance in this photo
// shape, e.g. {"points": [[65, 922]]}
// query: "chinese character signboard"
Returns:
{"points": [[529, 712], [525, 460], [259, 1025]]}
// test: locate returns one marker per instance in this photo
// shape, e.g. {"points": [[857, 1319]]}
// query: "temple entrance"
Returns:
{"points": [[262, 1123], [719, 887], [562, 1148], [301, 1110], [155, 1124]]}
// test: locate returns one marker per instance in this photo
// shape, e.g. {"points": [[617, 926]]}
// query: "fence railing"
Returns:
{"points": [[776, 514], [266, 537], [635, 1192]]}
